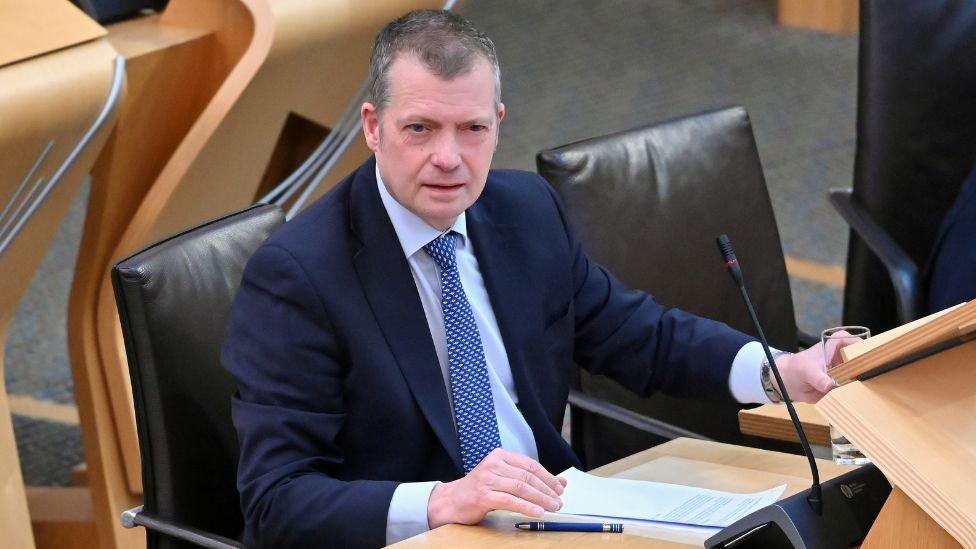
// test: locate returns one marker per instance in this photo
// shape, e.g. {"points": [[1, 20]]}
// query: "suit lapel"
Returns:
{"points": [[502, 261], [392, 295]]}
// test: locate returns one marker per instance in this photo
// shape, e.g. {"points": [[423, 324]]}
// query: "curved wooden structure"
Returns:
{"points": [[217, 89], [61, 103]]}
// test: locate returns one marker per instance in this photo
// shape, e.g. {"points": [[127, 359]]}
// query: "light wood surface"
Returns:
{"points": [[773, 421], [62, 517], [918, 425], [174, 69], [838, 16], [924, 333], [683, 461], [49, 97], [36, 27], [863, 346], [903, 525]]}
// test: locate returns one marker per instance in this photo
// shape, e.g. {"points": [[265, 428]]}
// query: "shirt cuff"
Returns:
{"points": [[408, 511], [745, 382]]}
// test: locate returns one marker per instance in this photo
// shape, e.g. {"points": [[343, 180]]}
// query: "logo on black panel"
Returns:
{"points": [[852, 489]]}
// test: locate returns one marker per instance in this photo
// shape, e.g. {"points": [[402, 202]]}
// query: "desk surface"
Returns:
{"points": [[685, 461], [773, 421]]}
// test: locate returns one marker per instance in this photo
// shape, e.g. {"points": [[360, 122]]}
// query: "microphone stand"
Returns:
{"points": [[854, 499]]}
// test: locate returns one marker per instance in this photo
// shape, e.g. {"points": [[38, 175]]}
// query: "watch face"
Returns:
{"points": [[768, 385]]}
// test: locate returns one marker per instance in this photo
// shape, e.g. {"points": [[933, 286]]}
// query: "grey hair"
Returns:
{"points": [[446, 43]]}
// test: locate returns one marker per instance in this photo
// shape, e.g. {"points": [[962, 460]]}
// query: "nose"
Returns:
{"points": [[446, 155]]}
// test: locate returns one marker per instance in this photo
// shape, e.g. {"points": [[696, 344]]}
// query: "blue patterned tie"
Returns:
{"points": [[474, 409]]}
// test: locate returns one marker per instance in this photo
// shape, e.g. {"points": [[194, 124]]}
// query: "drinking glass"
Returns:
{"points": [[843, 451]]}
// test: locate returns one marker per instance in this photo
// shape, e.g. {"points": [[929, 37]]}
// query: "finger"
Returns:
{"points": [[524, 490], [827, 384], [534, 467], [510, 471], [508, 502], [819, 381]]}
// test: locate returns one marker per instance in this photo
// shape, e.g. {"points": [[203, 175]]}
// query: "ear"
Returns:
{"points": [[371, 125], [501, 115]]}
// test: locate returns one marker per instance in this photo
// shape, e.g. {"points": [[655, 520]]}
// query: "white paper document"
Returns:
{"points": [[657, 501]]}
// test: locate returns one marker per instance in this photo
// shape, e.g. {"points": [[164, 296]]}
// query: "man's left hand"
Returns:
{"points": [[805, 373]]}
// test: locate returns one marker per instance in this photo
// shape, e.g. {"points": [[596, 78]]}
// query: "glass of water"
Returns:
{"points": [[843, 451]]}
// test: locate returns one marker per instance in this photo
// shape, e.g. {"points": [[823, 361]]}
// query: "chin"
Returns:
{"points": [[442, 216]]}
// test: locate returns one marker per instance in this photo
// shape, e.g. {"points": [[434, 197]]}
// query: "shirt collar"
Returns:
{"points": [[412, 231]]}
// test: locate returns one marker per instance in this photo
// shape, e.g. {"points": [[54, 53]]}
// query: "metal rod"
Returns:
{"points": [[628, 417], [311, 164], [110, 102], [28, 177], [25, 203], [321, 175]]}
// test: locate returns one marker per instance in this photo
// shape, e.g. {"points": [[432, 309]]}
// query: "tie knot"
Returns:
{"points": [[442, 251]]}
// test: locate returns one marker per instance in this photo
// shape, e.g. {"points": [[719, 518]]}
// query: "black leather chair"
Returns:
{"points": [[174, 298], [916, 141], [648, 203]]}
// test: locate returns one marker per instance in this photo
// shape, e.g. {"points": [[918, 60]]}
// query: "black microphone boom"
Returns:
{"points": [[732, 264], [854, 499]]}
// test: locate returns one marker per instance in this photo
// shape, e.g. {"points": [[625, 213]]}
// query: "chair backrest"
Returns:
{"points": [[916, 136], [174, 299], [648, 203]]}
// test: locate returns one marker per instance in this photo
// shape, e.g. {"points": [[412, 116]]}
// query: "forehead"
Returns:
{"points": [[415, 90]]}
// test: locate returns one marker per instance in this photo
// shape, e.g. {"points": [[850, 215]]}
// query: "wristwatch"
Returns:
{"points": [[769, 380]]}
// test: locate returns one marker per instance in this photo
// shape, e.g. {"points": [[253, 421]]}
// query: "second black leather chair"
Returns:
{"points": [[648, 203]]}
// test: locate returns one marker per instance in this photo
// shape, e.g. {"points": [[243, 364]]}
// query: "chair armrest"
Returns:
{"points": [[136, 517], [902, 270], [628, 417]]}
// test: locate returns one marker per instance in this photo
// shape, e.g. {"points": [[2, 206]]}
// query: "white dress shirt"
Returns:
{"points": [[408, 508]]}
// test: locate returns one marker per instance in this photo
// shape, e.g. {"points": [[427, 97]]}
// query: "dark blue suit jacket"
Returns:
{"points": [[951, 271], [340, 393]]}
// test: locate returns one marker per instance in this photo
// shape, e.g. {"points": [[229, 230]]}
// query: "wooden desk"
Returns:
{"points": [[686, 461], [773, 421]]}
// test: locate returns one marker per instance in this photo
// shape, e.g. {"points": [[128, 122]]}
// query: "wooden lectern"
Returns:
{"points": [[908, 401]]}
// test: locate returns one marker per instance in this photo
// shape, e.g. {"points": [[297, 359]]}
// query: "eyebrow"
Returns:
{"points": [[484, 121]]}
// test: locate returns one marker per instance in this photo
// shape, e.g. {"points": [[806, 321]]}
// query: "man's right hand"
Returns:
{"points": [[503, 480]]}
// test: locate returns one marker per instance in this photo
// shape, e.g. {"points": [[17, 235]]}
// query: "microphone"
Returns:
{"points": [[732, 265], [854, 499]]}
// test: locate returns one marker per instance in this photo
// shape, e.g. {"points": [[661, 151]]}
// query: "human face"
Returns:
{"points": [[434, 139]]}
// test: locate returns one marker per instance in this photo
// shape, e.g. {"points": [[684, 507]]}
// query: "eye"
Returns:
{"points": [[416, 128], [478, 128]]}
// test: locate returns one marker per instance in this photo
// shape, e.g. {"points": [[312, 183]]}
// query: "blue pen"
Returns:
{"points": [[570, 527]]}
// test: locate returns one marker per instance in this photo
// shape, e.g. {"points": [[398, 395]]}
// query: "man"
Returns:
{"points": [[403, 348]]}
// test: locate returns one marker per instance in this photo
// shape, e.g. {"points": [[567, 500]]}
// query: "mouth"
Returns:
{"points": [[443, 187]]}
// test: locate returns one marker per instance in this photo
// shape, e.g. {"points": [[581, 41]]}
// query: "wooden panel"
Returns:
{"points": [[62, 518], [164, 62], [456, 535], [174, 70], [685, 461], [859, 348], [51, 97], [918, 425], [903, 525], [773, 421], [35, 27], [840, 16], [933, 329]]}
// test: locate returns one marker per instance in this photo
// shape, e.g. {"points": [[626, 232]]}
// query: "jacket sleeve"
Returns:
{"points": [[283, 352], [627, 336]]}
